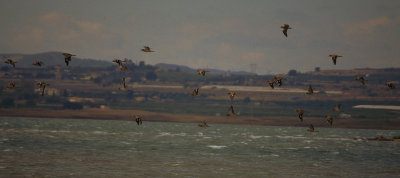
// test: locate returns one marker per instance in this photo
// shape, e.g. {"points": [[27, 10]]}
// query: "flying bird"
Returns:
{"points": [[147, 49], [231, 112], [271, 83], [11, 85], [310, 91], [203, 124], [361, 79], [42, 86], [300, 112], [334, 57], [278, 80], [195, 92], [67, 57], [202, 72], [119, 62], [311, 128], [329, 119], [11, 62], [231, 94], [285, 28], [38, 63], [337, 108], [391, 85], [138, 119]]}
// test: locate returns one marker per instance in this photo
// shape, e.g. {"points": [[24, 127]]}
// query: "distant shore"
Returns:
{"points": [[126, 115]]}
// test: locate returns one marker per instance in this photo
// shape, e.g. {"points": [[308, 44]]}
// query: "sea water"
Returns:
{"points": [[34, 147]]}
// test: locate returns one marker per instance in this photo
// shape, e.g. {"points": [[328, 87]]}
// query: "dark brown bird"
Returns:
{"points": [[300, 112], [11, 85], [310, 91], [11, 62], [271, 83], [138, 119], [285, 28], [391, 85], [231, 112], [232, 95], [147, 49], [202, 72], [329, 119], [203, 124], [361, 79], [38, 63], [42, 86], [67, 57], [195, 92], [337, 108], [119, 62], [311, 128], [334, 57], [278, 80]]}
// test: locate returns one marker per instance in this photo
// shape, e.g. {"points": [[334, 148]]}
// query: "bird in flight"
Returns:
{"points": [[231, 112], [310, 91], [11, 62], [337, 108], [231, 94], [391, 85], [329, 119], [38, 63], [271, 83], [361, 79], [195, 92], [119, 62], [202, 72], [138, 119], [67, 57], [147, 49], [285, 28], [300, 112], [311, 128], [11, 85], [334, 57], [42, 86]]}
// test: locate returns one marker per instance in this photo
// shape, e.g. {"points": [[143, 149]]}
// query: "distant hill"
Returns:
{"points": [[51, 59], [187, 69]]}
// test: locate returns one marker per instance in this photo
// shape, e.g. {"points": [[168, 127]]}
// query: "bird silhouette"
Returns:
{"points": [[138, 119], [42, 86], [285, 28], [231, 94], [334, 57], [300, 112], [329, 119], [67, 57], [119, 62], [391, 85], [202, 72], [310, 90], [147, 49], [361, 79], [337, 108], [38, 63], [11, 62], [195, 92], [11, 85], [271, 83], [231, 112]]}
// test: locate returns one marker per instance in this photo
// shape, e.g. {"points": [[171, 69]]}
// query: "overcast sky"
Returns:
{"points": [[229, 35]]}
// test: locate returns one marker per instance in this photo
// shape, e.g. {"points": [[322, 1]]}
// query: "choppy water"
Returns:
{"points": [[91, 148]]}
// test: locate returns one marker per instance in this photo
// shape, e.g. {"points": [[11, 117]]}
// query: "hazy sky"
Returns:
{"points": [[228, 35]]}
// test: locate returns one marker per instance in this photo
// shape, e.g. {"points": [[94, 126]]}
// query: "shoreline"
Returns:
{"points": [[125, 115]]}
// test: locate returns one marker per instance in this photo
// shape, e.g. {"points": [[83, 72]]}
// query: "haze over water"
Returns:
{"points": [[82, 148]]}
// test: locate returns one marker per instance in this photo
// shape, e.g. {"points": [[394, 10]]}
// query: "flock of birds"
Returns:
{"points": [[277, 80]]}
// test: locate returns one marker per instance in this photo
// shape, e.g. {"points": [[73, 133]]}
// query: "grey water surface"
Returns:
{"points": [[35, 147]]}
